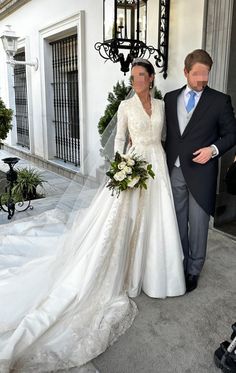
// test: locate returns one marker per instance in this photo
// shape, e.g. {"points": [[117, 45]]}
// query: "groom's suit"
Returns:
{"points": [[211, 122]]}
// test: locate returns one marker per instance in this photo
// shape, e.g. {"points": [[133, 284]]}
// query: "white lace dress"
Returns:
{"points": [[64, 298]]}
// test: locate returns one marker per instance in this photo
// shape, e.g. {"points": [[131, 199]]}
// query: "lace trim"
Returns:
{"points": [[84, 348]]}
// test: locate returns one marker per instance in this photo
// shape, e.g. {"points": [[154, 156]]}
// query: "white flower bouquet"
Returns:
{"points": [[128, 171]]}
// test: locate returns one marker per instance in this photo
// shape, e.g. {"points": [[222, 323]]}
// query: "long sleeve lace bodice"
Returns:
{"points": [[143, 129]]}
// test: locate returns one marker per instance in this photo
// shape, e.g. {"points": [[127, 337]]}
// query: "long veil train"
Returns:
{"points": [[66, 300], [61, 301]]}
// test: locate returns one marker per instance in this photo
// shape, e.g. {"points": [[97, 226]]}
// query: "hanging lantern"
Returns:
{"points": [[125, 30]]}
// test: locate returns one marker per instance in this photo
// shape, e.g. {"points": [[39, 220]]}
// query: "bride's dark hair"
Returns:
{"points": [[147, 65]]}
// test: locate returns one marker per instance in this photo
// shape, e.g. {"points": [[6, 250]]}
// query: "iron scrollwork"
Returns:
{"points": [[7, 202], [163, 39], [112, 49]]}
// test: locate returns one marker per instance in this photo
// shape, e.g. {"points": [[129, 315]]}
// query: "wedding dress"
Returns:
{"points": [[65, 296]]}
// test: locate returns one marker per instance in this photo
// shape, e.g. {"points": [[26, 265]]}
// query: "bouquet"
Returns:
{"points": [[128, 171]]}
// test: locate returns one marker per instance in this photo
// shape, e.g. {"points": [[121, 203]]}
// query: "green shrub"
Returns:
{"points": [[120, 91], [5, 120]]}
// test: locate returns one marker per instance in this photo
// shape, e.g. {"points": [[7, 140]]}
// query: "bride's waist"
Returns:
{"points": [[146, 143]]}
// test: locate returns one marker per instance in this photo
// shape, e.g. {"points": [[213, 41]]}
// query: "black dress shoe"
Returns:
{"points": [[191, 282]]}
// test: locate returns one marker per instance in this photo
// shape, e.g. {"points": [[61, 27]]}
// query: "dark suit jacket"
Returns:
{"points": [[212, 122]]}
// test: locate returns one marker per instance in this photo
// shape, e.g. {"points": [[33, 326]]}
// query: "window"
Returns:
{"points": [[66, 99]]}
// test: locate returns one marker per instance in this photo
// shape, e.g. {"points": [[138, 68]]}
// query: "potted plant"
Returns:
{"points": [[28, 179], [5, 121]]}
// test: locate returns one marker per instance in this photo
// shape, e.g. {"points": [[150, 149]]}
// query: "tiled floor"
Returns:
{"points": [[59, 192]]}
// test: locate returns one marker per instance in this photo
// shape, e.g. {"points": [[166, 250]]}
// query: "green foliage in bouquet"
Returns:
{"points": [[128, 171], [5, 120]]}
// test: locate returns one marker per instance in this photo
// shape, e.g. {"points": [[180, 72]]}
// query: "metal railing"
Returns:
{"points": [[66, 99], [21, 102]]}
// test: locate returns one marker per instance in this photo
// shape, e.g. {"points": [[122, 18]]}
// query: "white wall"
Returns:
{"points": [[99, 78], [185, 35], [186, 25]]}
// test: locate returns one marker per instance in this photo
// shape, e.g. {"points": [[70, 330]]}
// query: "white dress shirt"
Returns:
{"points": [[197, 98]]}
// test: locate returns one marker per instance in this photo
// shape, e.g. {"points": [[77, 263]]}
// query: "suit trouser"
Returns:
{"points": [[193, 224]]}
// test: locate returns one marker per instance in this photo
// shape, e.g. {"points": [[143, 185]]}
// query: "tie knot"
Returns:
{"points": [[192, 94]]}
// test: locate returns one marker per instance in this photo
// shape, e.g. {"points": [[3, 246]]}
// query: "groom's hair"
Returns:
{"points": [[197, 56]]}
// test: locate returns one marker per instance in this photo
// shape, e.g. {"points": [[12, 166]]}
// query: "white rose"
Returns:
{"points": [[119, 176], [121, 165], [128, 170], [124, 156], [130, 162], [133, 181]]}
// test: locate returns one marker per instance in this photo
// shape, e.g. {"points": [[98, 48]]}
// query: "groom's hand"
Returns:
{"points": [[202, 155]]}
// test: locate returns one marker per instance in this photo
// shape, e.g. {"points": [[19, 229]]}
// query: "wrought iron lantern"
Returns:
{"points": [[125, 28], [7, 202], [9, 41]]}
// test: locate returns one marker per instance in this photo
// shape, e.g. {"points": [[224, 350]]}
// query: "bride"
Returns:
{"points": [[66, 306]]}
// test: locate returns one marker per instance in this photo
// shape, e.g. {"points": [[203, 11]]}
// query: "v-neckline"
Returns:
{"points": [[149, 116]]}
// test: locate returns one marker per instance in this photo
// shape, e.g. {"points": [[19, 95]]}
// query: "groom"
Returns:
{"points": [[200, 128]]}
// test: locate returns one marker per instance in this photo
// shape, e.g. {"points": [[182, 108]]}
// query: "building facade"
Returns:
{"points": [[57, 107]]}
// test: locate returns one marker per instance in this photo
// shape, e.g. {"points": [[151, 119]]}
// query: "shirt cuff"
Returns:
{"points": [[215, 151]]}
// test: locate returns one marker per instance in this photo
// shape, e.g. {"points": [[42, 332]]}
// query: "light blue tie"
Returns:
{"points": [[191, 101]]}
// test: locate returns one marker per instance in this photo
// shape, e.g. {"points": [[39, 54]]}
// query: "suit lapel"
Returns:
{"points": [[201, 108]]}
